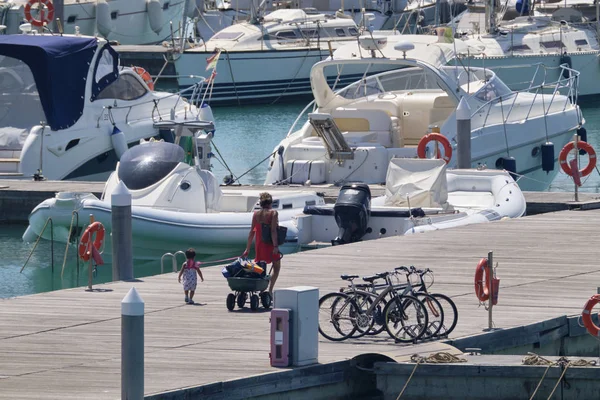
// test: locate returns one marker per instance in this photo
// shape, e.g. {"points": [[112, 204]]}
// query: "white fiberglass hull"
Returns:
{"points": [[156, 232]]}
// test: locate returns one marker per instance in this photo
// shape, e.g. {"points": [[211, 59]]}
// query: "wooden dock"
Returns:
{"points": [[66, 344]]}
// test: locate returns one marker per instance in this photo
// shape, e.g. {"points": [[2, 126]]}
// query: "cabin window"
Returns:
{"points": [[227, 36], [353, 31], [581, 42], [553, 44], [519, 47], [310, 33], [126, 87], [340, 32], [71, 19], [286, 35], [166, 5], [114, 15]]}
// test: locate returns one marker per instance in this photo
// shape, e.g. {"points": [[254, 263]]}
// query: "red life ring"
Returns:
{"points": [[438, 137], [482, 290], [44, 17], [562, 158], [145, 75], [85, 251], [586, 315]]}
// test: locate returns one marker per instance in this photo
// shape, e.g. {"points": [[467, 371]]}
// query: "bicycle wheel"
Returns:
{"points": [[336, 313], [405, 319], [363, 320], [450, 314], [435, 313]]}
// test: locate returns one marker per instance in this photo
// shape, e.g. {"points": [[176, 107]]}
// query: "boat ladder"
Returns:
{"points": [[327, 129], [173, 260]]}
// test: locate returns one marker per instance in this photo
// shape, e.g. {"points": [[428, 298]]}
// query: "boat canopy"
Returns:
{"points": [[60, 65]]}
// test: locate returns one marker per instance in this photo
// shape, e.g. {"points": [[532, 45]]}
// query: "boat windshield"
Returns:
{"points": [[145, 164], [20, 106], [481, 84]]}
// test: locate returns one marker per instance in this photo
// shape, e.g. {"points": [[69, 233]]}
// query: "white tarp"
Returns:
{"points": [[416, 182]]}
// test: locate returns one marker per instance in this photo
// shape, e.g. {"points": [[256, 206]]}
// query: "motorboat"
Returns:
{"points": [[123, 21], [420, 195], [175, 205], [524, 52], [352, 133], [69, 111], [267, 58]]}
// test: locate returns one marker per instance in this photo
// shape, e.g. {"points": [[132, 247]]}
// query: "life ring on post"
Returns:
{"points": [[145, 75], [482, 289], [44, 17], [562, 158], [586, 316], [438, 137], [85, 250]]}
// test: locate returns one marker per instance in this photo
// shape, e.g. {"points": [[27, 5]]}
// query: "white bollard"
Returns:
{"points": [[463, 134], [122, 241], [132, 346]]}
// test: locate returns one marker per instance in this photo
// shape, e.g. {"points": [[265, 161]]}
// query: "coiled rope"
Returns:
{"points": [[535, 359], [441, 357]]}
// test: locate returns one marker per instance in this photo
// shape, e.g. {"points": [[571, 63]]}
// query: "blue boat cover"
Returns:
{"points": [[60, 66]]}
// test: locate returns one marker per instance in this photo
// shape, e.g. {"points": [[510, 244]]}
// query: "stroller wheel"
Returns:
{"points": [[241, 299], [254, 302], [230, 301], [265, 299]]}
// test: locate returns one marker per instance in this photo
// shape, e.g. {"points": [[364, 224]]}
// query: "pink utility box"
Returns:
{"points": [[280, 338]]}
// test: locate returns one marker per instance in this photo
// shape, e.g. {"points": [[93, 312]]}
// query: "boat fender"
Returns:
{"points": [[206, 114], [548, 157], [586, 316], [145, 75], [510, 165], [45, 14], [566, 60], [103, 19], [85, 251], [438, 137], [522, 7], [155, 15], [582, 133], [119, 142], [562, 158]]}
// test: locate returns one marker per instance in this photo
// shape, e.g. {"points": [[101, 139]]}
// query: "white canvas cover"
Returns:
{"points": [[418, 182]]}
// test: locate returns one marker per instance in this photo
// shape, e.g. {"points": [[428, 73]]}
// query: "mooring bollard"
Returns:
{"points": [[122, 246], [463, 134], [132, 346]]}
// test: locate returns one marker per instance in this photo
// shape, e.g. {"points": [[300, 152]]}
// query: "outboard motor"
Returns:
{"points": [[351, 212]]}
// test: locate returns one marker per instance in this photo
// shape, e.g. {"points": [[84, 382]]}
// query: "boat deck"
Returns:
{"points": [[66, 344]]}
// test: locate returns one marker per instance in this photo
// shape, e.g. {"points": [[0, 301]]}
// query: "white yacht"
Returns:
{"points": [[68, 111], [352, 133], [268, 58], [175, 205], [124, 21]]}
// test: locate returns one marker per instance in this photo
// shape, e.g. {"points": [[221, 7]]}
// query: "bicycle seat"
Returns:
{"points": [[371, 278], [348, 277], [383, 274]]}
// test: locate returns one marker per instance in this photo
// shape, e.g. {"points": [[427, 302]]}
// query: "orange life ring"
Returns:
{"points": [[482, 289], [145, 75], [43, 17], [562, 158], [586, 315], [438, 137], [86, 240]]}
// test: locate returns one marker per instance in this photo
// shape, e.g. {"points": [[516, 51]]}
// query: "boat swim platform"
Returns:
{"points": [[18, 197], [66, 344]]}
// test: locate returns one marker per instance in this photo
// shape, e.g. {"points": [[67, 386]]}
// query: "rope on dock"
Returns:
{"points": [[441, 357], [535, 359]]}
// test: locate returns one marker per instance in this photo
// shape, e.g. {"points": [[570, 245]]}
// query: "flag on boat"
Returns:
{"points": [[211, 78], [211, 62]]}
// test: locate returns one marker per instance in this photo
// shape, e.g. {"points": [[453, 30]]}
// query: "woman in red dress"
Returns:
{"points": [[266, 252]]}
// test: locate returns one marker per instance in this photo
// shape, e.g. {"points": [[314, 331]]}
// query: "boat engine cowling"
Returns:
{"points": [[351, 212]]}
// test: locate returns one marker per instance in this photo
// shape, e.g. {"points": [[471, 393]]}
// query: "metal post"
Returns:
{"points": [[90, 266], [491, 286], [576, 150], [132, 346], [463, 134], [122, 246]]}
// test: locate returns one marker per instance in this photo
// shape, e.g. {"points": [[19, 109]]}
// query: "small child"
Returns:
{"points": [[189, 270]]}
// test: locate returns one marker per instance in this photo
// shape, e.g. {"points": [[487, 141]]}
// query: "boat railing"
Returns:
{"points": [[173, 257], [566, 85]]}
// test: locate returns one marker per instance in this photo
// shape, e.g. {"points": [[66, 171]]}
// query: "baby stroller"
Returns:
{"points": [[247, 279]]}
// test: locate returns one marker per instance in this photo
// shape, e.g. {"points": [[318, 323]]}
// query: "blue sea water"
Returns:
{"points": [[244, 137]]}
